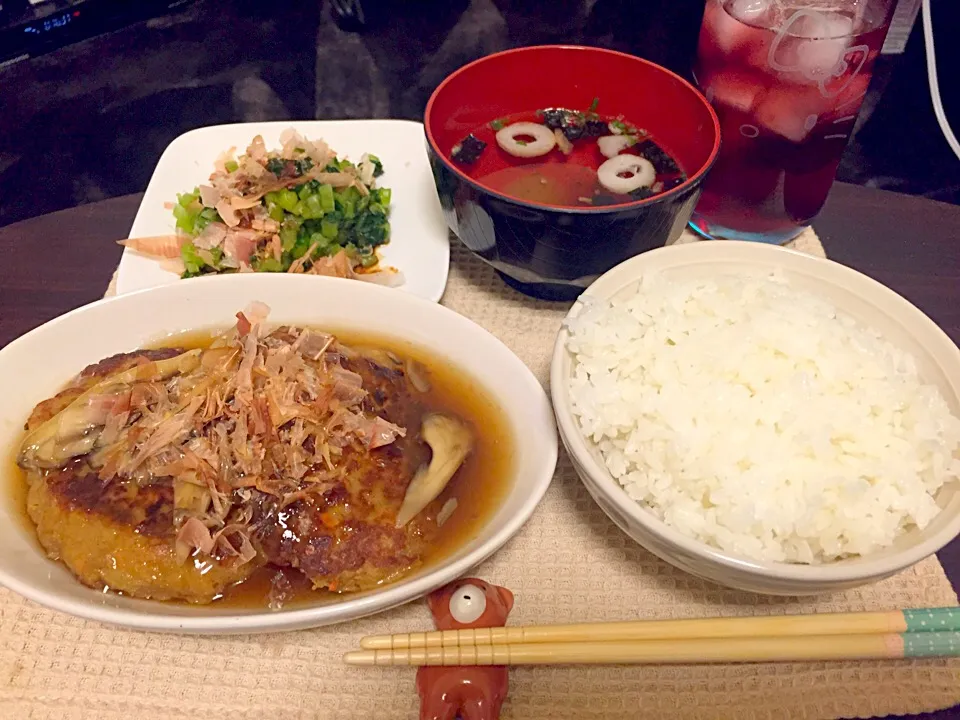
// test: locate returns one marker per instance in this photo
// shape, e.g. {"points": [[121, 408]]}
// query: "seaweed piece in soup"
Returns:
{"points": [[553, 118], [571, 123], [594, 127], [662, 162], [468, 150]]}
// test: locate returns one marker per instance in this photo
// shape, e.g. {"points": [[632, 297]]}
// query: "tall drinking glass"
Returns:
{"points": [[787, 78]]}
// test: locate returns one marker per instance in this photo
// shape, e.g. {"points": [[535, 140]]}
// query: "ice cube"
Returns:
{"points": [[750, 11], [820, 25], [790, 111], [829, 33], [821, 59], [733, 89], [725, 32]]}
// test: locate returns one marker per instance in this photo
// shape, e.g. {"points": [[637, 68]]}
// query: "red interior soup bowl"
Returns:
{"points": [[551, 224]]}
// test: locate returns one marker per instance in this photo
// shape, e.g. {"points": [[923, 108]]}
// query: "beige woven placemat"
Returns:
{"points": [[569, 563]]}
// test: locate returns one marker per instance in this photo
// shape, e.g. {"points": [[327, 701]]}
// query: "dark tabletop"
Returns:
{"points": [[60, 261]]}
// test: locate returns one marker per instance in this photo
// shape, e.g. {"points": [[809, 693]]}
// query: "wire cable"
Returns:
{"points": [[934, 84]]}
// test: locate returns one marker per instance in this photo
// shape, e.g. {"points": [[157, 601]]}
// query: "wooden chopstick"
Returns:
{"points": [[865, 646], [864, 623]]}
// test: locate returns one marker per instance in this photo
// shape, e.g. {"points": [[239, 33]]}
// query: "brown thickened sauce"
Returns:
{"points": [[479, 485]]}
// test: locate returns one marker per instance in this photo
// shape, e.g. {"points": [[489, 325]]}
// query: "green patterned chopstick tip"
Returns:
{"points": [[931, 644], [945, 619]]}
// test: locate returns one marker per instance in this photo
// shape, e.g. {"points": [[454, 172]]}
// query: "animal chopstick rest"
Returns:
{"points": [[472, 693]]}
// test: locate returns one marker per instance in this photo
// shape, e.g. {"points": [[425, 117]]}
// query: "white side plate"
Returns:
{"points": [[418, 246]]}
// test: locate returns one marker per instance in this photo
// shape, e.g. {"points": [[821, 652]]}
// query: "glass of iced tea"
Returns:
{"points": [[787, 78]]}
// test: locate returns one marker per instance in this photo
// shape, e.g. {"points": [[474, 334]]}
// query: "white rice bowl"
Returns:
{"points": [[756, 418]]}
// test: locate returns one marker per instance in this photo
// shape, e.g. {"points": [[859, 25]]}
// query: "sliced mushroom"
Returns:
{"points": [[418, 375], [75, 429], [451, 442], [448, 509]]}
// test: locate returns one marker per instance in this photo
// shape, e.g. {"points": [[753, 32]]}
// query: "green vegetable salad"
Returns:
{"points": [[297, 209]]}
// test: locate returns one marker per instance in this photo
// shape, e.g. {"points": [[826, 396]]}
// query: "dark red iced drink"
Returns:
{"points": [[787, 81]]}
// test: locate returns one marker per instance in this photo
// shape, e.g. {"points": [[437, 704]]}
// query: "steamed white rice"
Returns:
{"points": [[756, 418]]}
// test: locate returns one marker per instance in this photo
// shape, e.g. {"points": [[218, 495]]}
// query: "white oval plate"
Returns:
{"points": [[41, 362], [419, 246]]}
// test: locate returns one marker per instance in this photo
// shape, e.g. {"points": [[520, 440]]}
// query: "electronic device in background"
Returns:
{"points": [[29, 28]]}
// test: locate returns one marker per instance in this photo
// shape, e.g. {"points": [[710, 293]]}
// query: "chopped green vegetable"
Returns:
{"points": [[183, 217], [206, 216], [187, 199], [312, 216], [593, 105], [191, 216], [347, 201], [303, 166], [276, 212], [192, 261], [289, 230], [287, 199], [326, 198], [371, 229], [312, 208], [195, 264], [497, 125], [338, 165], [269, 264], [329, 230]]}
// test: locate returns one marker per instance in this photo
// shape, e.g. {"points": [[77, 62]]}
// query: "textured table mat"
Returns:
{"points": [[569, 563]]}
